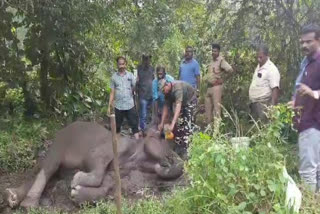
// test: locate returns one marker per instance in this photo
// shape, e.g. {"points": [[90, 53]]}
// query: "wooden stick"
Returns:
{"points": [[116, 163]]}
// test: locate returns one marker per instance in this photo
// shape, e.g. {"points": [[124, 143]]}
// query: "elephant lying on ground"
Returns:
{"points": [[87, 147]]}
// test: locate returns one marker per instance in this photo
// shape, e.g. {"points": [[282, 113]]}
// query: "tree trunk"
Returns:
{"points": [[44, 64]]}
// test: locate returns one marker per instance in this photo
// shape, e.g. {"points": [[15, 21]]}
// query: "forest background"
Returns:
{"points": [[57, 56]]}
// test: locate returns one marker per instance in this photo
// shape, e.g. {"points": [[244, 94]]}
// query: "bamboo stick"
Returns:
{"points": [[116, 163]]}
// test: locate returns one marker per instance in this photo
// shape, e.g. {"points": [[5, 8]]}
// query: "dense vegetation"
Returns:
{"points": [[57, 56]]}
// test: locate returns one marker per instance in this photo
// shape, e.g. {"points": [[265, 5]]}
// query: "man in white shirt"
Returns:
{"points": [[264, 88]]}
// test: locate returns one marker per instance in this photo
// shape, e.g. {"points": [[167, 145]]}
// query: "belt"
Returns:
{"points": [[215, 83]]}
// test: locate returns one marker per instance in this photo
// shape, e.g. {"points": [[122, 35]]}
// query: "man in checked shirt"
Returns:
{"points": [[121, 97]]}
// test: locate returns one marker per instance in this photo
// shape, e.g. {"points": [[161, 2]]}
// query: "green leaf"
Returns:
{"points": [[242, 205]]}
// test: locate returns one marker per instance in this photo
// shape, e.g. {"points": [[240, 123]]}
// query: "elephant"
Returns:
{"points": [[87, 147]]}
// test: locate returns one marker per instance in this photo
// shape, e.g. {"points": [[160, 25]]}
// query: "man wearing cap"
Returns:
{"points": [[144, 88], [185, 98], [157, 95], [214, 79]]}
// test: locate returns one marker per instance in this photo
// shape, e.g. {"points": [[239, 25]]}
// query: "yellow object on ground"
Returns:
{"points": [[169, 136]]}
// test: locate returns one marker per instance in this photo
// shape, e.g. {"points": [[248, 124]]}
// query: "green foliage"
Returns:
{"points": [[11, 100], [150, 205], [20, 140], [88, 102], [228, 180], [233, 181]]}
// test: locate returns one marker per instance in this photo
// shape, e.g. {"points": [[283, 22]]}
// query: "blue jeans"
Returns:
{"points": [[144, 104]]}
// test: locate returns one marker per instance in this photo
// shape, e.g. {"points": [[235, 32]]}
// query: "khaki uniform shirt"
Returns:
{"points": [[217, 67], [264, 79], [181, 92]]}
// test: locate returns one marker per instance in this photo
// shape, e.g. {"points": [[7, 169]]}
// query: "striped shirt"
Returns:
{"points": [[123, 86]]}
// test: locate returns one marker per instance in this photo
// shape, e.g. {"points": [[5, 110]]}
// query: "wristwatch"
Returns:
{"points": [[316, 95]]}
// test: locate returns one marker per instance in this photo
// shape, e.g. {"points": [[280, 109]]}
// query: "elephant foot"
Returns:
{"points": [[82, 194], [30, 202], [77, 195], [76, 179], [12, 197]]}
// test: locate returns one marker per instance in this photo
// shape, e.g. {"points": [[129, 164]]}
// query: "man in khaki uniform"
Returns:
{"points": [[264, 88], [214, 79]]}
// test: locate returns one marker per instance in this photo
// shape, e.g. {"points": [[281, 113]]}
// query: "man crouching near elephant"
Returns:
{"points": [[185, 98]]}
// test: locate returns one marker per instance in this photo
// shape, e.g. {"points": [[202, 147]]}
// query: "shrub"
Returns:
{"points": [[20, 140], [88, 101], [226, 180]]}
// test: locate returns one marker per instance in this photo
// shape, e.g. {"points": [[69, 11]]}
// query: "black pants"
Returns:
{"points": [[259, 110], [131, 116]]}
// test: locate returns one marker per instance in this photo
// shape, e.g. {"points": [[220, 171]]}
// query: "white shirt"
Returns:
{"points": [[264, 79]]}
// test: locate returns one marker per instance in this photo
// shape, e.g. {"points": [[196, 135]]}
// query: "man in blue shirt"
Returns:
{"points": [[189, 69], [157, 95]]}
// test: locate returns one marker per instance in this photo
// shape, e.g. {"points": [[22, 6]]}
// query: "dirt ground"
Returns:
{"points": [[56, 195]]}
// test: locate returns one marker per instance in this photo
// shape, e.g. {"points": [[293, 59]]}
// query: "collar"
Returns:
{"points": [[265, 64], [316, 55], [185, 62], [217, 59], [125, 73]]}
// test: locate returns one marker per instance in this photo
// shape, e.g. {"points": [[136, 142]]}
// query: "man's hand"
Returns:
{"points": [[110, 109], [305, 90], [291, 104], [160, 127], [198, 93], [171, 127]]}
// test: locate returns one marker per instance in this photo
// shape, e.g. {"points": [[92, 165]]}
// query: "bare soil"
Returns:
{"points": [[56, 195]]}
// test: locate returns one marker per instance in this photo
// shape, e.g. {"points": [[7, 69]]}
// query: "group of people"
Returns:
{"points": [[180, 97], [166, 95]]}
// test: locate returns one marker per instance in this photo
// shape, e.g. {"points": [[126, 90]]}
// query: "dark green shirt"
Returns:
{"points": [[181, 92]]}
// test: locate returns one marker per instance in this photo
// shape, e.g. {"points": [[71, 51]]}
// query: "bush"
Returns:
{"points": [[88, 101], [226, 180], [11, 100], [20, 140]]}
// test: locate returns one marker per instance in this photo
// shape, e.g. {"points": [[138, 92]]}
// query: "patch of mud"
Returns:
{"points": [[56, 196]]}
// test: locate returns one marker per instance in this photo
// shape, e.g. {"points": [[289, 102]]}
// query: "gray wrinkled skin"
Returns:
{"points": [[87, 147]]}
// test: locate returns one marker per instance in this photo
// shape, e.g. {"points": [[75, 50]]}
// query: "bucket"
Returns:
{"points": [[240, 142]]}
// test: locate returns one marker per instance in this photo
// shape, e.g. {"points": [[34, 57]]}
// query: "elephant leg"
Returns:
{"points": [[15, 195], [49, 167], [93, 178], [81, 194]]}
